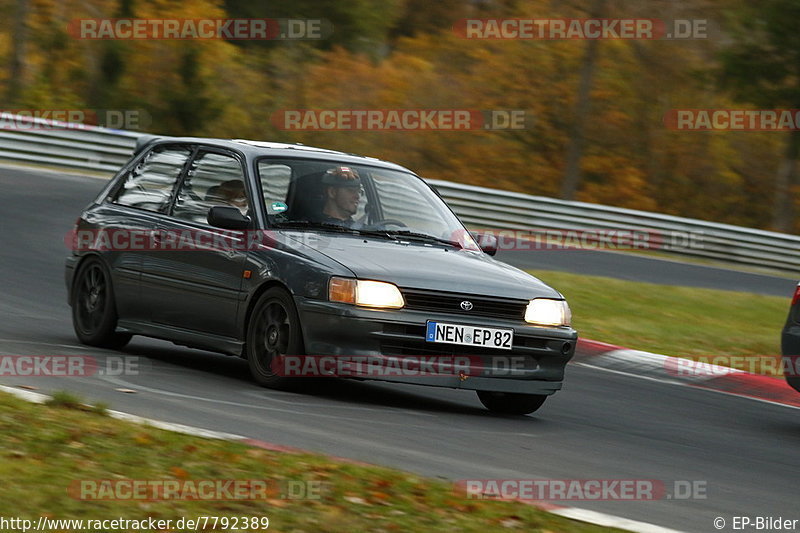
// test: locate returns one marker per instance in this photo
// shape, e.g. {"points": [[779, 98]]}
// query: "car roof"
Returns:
{"points": [[254, 149]]}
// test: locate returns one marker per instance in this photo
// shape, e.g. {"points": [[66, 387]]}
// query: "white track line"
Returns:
{"points": [[603, 519], [573, 513]]}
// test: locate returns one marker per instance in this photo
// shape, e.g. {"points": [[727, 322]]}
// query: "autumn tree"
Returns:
{"points": [[762, 66]]}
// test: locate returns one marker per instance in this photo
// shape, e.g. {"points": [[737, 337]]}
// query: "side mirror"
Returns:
{"points": [[486, 241], [228, 218]]}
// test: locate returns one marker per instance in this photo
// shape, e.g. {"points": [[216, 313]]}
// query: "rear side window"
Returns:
{"points": [[150, 183], [213, 179]]}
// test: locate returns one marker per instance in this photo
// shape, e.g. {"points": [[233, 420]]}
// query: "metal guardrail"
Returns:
{"points": [[48, 142], [105, 150], [480, 207]]}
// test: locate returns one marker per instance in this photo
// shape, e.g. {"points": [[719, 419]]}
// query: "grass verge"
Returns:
{"points": [[680, 321], [49, 448]]}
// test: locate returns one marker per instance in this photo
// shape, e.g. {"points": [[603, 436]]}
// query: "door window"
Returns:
{"points": [[150, 183], [213, 179]]}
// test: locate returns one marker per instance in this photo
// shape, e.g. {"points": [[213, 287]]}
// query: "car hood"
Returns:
{"points": [[433, 267]]}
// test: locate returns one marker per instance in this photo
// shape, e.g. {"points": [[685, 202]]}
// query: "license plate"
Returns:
{"points": [[501, 338]]}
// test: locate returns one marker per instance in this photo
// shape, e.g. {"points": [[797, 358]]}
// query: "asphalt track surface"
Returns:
{"points": [[603, 425]]}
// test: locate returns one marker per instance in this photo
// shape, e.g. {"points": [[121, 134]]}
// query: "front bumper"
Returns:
{"points": [[535, 365]]}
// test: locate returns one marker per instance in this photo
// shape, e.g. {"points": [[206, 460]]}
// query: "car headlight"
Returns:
{"points": [[365, 293], [546, 312]]}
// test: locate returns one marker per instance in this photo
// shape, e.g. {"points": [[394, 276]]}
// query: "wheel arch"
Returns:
{"points": [[264, 287], [87, 257]]}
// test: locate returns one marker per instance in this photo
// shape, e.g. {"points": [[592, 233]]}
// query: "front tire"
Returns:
{"points": [[273, 331], [94, 309], [511, 403]]}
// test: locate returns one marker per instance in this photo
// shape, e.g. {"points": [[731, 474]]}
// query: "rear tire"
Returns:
{"points": [[511, 403], [94, 309], [273, 331]]}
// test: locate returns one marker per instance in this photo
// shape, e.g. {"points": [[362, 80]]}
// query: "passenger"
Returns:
{"points": [[232, 192]]}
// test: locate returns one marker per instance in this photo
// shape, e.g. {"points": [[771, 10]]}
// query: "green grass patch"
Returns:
{"points": [[679, 321], [70, 400], [46, 449], [66, 399]]}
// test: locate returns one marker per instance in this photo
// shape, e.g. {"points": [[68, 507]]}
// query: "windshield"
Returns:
{"points": [[336, 196]]}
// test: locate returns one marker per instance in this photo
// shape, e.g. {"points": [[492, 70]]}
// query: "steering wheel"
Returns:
{"points": [[381, 224]]}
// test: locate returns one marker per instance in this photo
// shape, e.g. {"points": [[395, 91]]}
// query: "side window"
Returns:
{"points": [[150, 184], [213, 179], [275, 179]]}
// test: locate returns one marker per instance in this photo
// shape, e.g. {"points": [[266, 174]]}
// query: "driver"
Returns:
{"points": [[343, 193]]}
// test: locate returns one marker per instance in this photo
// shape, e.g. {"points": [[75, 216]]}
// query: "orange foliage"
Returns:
{"points": [[219, 88]]}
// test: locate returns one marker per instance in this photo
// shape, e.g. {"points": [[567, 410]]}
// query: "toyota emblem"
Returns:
{"points": [[466, 305]]}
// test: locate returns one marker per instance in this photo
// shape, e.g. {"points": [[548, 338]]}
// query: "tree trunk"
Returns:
{"points": [[18, 45], [783, 202], [572, 171]]}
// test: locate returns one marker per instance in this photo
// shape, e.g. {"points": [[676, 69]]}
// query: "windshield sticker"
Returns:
{"points": [[277, 207]]}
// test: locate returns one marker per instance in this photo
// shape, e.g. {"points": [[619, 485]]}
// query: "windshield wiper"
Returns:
{"points": [[302, 224], [386, 234], [413, 235]]}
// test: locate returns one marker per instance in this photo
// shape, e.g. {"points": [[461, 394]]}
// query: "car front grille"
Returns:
{"points": [[449, 302]]}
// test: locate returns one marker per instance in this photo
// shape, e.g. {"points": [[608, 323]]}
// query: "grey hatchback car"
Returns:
{"points": [[311, 262]]}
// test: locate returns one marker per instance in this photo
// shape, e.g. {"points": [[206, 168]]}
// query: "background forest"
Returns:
{"points": [[597, 132]]}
